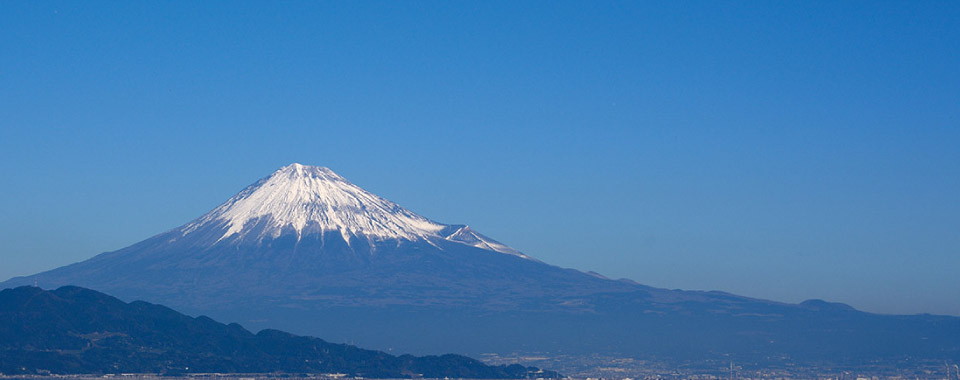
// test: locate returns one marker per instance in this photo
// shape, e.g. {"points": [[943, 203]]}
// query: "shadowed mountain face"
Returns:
{"points": [[77, 330], [306, 251]]}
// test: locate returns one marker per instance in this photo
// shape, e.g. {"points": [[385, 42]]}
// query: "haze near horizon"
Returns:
{"points": [[780, 151]]}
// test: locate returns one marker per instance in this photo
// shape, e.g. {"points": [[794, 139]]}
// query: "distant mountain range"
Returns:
{"points": [[75, 330], [306, 251]]}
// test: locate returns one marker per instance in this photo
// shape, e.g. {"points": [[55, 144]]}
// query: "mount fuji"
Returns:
{"points": [[305, 250]]}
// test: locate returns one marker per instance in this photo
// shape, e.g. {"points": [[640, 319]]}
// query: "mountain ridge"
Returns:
{"points": [[73, 330], [383, 287]]}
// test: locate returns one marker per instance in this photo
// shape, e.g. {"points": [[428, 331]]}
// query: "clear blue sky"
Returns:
{"points": [[782, 150]]}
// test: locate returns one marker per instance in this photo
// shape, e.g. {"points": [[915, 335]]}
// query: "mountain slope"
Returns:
{"points": [[77, 330], [306, 251]]}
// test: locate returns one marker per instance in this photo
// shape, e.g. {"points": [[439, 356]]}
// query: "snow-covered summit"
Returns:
{"points": [[302, 199]]}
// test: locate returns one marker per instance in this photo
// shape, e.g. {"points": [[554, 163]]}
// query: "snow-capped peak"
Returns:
{"points": [[304, 199]]}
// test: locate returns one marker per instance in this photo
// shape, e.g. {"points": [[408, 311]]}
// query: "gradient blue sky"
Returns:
{"points": [[782, 150]]}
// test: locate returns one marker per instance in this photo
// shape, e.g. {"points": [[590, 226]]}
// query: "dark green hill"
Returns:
{"points": [[78, 330]]}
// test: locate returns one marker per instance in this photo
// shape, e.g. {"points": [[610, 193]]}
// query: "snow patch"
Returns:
{"points": [[296, 196]]}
